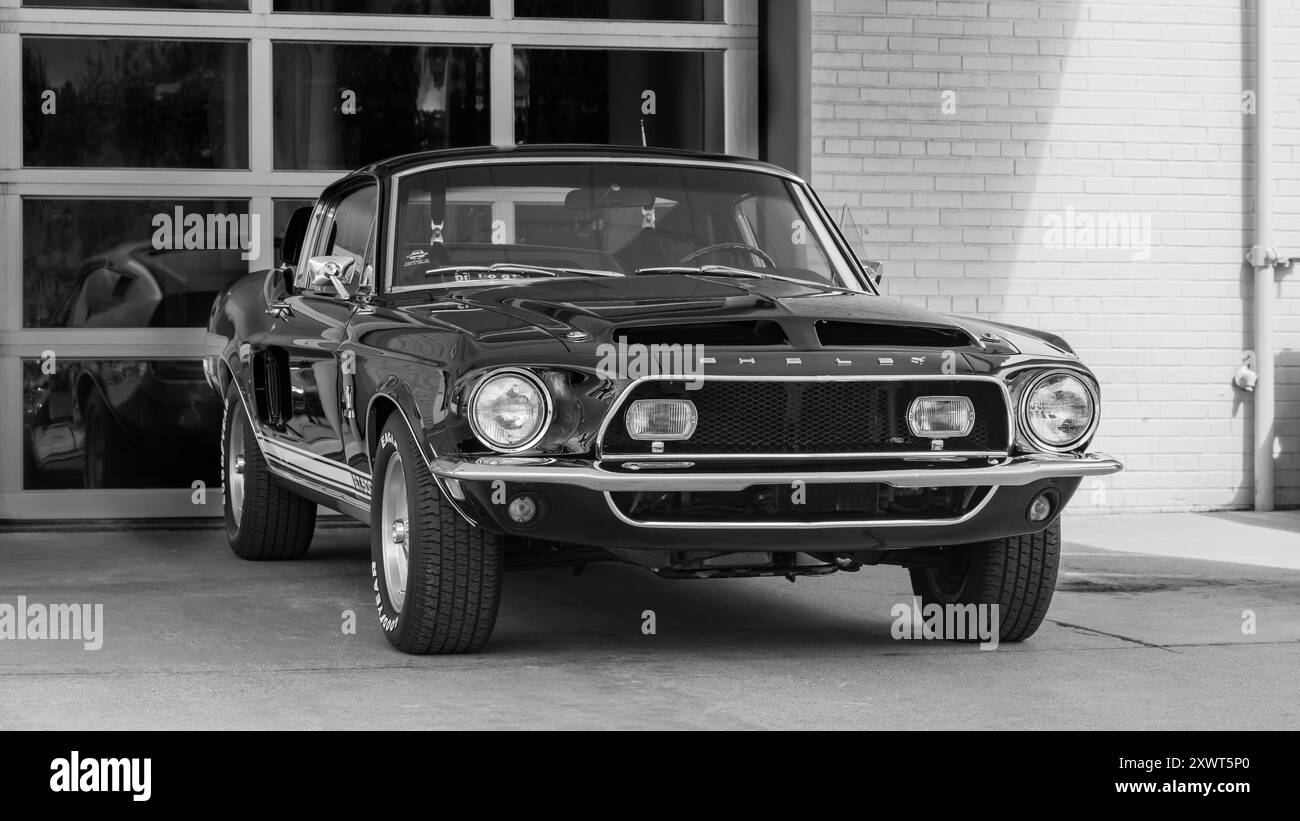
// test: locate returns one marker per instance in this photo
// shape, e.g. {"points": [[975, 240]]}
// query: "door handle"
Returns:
{"points": [[279, 310]]}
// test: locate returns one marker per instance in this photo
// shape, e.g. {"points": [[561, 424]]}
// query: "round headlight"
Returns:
{"points": [[1060, 410], [509, 411]]}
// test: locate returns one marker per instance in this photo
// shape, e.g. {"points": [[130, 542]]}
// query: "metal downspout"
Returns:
{"points": [[1264, 257]]}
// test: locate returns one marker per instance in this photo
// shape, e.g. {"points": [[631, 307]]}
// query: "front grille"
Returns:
{"points": [[762, 504], [740, 417]]}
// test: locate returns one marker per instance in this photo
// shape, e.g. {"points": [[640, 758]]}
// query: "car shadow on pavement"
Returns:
{"points": [[612, 607]]}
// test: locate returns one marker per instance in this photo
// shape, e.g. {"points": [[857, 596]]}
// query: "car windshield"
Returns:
{"points": [[487, 222]]}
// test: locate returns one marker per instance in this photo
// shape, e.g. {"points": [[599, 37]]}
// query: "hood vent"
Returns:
{"points": [[834, 334], [759, 333]]}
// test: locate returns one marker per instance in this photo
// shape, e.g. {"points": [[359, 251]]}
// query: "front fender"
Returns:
{"points": [[238, 315], [396, 398]]}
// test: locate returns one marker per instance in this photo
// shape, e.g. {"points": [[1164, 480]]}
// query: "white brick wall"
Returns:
{"points": [[1099, 107]]}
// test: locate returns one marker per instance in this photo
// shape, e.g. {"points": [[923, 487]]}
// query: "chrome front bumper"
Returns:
{"points": [[617, 476]]}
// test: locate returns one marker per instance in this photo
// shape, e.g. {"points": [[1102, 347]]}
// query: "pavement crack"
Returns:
{"points": [[1131, 640]]}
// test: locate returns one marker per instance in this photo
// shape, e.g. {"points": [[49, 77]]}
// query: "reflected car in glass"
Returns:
{"points": [[103, 424], [540, 355]]}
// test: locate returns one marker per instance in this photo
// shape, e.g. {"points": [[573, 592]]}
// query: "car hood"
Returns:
{"points": [[658, 306]]}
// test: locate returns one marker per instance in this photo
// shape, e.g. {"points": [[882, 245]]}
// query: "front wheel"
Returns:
{"points": [[437, 578], [1018, 574]]}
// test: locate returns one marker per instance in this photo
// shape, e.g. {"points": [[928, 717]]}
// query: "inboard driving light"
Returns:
{"points": [[662, 419], [522, 509], [940, 417], [1059, 410], [510, 410], [1040, 508]]}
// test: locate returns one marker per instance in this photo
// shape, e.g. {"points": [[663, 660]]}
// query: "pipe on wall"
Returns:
{"points": [[1264, 257]]}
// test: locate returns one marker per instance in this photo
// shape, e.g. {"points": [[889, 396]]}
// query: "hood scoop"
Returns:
{"points": [[842, 334], [746, 334]]}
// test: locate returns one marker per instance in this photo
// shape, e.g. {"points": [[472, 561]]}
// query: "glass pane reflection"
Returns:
{"points": [[283, 212], [673, 10], [199, 5], [121, 103], [100, 423], [669, 99], [475, 8], [342, 106], [128, 263]]}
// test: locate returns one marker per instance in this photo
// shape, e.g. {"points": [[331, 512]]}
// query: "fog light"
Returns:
{"points": [[522, 509], [1041, 508], [660, 419], [939, 417]]}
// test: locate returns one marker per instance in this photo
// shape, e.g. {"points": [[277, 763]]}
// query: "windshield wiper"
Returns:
{"points": [[511, 268], [711, 270], [741, 273]]}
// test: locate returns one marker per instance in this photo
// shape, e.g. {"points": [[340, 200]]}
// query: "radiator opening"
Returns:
{"points": [[820, 502]]}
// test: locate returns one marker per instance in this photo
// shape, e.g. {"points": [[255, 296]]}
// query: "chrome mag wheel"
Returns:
{"points": [[395, 532]]}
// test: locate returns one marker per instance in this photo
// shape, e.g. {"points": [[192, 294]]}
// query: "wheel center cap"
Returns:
{"points": [[399, 532]]}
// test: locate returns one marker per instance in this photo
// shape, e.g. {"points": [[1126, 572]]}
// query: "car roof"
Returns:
{"points": [[405, 162]]}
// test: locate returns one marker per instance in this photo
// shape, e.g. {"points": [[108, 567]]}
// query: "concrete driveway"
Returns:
{"points": [[195, 638]]}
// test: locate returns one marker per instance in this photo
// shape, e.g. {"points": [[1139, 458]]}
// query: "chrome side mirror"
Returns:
{"points": [[336, 273]]}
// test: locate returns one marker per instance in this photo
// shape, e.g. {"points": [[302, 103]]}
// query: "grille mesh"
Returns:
{"points": [[823, 502], [798, 417]]}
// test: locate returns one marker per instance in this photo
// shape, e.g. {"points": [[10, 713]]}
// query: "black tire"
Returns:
{"points": [[32, 477], [105, 446], [1018, 574], [274, 523], [453, 569]]}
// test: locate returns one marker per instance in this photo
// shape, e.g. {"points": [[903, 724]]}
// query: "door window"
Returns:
{"points": [[349, 231]]}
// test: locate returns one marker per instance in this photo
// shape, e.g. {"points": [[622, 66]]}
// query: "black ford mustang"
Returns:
{"points": [[674, 360]]}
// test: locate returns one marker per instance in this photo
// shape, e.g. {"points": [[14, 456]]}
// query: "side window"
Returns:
{"points": [[348, 229], [320, 216]]}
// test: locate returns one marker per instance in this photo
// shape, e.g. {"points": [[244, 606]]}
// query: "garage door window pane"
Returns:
{"points": [[204, 5], [342, 106], [119, 423], [282, 213], [475, 8], [126, 263], [135, 103], [675, 10], [671, 99]]}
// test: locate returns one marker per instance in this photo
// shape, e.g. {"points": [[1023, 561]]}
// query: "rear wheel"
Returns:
{"points": [[437, 578], [1018, 574], [264, 520], [105, 445]]}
